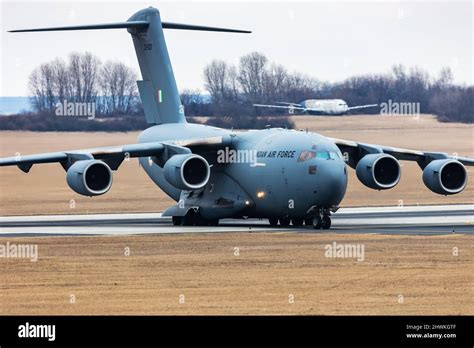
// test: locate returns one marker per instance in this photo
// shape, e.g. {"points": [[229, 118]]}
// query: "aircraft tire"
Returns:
{"points": [[326, 222], [177, 220], [285, 221], [317, 222], [297, 222], [213, 222], [189, 220]]}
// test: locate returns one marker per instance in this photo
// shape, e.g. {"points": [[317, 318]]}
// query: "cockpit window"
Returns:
{"points": [[306, 156], [322, 155]]}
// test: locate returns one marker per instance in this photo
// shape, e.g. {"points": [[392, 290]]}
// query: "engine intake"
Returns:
{"points": [[89, 177], [445, 176], [378, 171], [187, 171]]}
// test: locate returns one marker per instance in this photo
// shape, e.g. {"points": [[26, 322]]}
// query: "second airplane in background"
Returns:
{"points": [[317, 106]]}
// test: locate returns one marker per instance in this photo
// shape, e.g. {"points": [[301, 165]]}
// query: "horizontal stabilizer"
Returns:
{"points": [[120, 25], [132, 24], [167, 25]]}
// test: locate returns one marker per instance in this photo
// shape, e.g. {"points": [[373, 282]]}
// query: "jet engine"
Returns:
{"points": [[187, 171], [445, 176], [89, 177], [378, 171]]}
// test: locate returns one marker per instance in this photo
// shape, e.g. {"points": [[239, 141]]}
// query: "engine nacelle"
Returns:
{"points": [[445, 176], [187, 171], [378, 171], [89, 177]]}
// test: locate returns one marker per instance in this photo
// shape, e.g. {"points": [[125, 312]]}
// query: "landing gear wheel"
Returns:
{"points": [[297, 222], [177, 220], [285, 222], [200, 221], [189, 220], [308, 221], [326, 222], [273, 222], [317, 222], [213, 222]]}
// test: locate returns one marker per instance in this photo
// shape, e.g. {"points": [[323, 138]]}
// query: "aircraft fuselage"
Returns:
{"points": [[274, 172], [325, 106]]}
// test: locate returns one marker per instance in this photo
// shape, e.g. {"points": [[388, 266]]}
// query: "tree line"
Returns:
{"points": [[233, 89], [230, 92], [83, 78]]}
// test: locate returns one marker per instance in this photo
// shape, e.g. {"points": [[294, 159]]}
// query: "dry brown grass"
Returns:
{"points": [[271, 266], [44, 190]]}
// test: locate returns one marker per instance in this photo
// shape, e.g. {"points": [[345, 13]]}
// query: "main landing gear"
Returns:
{"points": [[322, 219], [193, 219], [285, 221], [318, 216]]}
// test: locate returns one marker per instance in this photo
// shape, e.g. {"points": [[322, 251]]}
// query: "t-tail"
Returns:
{"points": [[158, 90]]}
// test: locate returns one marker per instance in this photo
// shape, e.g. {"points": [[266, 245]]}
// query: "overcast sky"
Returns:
{"points": [[327, 40]]}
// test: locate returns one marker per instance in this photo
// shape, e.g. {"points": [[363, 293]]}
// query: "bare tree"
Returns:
{"points": [[118, 88], [62, 82], [445, 78], [275, 83], [221, 82], [252, 76], [83, 75], [41, 87], [218, 78]]}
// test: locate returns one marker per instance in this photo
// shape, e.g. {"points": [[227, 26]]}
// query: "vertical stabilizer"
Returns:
{"points": [[158, 90]]}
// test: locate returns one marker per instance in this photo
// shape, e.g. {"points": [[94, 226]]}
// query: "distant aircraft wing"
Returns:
{"points": [[355, 151], [281, 107], [113, 155], [289, 104], [362, 106]]}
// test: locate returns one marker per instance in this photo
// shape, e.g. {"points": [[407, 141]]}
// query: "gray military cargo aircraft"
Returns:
{"points": [[285, 176]]}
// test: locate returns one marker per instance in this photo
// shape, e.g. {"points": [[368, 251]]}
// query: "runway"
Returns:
{"points": [[375, 220]]}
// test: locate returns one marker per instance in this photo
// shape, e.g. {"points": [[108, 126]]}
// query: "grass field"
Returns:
{"points": [[44, 190], [200, 274]]}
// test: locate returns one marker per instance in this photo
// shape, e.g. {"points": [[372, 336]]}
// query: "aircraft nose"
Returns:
{"points": [[332, 181]]}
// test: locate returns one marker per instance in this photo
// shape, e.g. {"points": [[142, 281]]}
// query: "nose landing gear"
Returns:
{"points": [[326, 223], [317, 222]]}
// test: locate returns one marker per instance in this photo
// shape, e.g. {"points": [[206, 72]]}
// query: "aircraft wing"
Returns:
{"points": [[355, 151], [113, 155], [281, 107], [362, 106], [289, 104]]}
